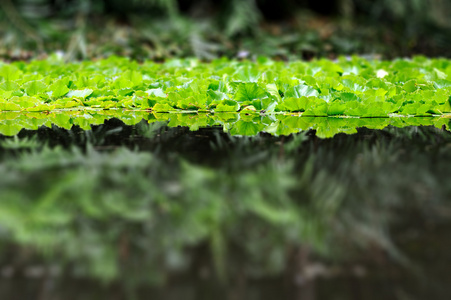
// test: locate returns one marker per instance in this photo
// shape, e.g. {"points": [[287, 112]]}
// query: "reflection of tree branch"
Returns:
{"points": [[13, 15]]}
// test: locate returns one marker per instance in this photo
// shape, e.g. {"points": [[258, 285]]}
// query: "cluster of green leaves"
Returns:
{"points": [[347, 87], [11, 123]]}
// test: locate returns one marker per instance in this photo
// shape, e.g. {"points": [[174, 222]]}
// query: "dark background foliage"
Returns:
{"points": [[286, 29]]}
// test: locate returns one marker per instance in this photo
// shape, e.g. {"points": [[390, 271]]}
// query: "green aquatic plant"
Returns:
{"points": [[348, 87]]}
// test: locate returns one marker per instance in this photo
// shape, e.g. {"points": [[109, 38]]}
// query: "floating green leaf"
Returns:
{"points": [[249, 92], [35, 87], [59, 88], [79, 93]]}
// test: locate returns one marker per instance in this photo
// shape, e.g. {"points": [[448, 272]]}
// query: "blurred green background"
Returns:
{"points": [[285, 29]]}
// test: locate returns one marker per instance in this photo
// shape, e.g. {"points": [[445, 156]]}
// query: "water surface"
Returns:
{"points": [[170, 206]]}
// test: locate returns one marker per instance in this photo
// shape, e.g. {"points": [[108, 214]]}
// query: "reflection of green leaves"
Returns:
{"points": [[246, 123], [246, 128], [10, 128], [73, 194]]}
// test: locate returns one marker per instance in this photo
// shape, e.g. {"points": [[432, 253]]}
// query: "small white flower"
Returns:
{"points": [[381, 73], [58, 55], [243, 54]]}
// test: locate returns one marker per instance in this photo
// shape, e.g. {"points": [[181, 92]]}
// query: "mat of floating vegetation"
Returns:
{"points": [[346, 87]]}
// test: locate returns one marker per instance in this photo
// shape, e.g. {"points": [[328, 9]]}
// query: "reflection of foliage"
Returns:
{"points": [[11, 123], [139, 216], [139, 193]]}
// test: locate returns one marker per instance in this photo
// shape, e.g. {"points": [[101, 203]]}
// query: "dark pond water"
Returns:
{"points": [[223, 207]]}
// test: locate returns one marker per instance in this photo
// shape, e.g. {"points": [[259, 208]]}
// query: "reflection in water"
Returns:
{"points": [[248, 124], [155, 210]]}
